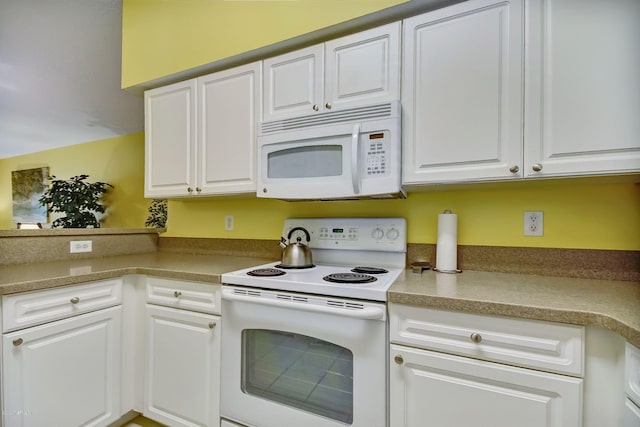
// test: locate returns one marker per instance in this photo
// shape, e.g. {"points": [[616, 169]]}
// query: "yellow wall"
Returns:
{"points": [[162, 37], [118, 161], [594, 213], [588, 213]]}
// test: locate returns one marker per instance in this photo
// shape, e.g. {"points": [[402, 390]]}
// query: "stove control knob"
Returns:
{"points": [[393, 234], [378, 233]]}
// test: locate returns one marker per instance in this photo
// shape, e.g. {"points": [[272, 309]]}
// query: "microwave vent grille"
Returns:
{"points": [[367, 112]]}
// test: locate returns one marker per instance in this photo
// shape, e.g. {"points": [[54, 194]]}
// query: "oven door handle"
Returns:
{"points": [[366, 313]]}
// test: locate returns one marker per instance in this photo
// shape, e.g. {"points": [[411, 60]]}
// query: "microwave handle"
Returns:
{"points": [[355, 172]]}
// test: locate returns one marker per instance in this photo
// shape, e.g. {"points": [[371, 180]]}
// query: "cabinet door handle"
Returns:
{"points": [[189, 190], [177, 294], [315, 107], [476, 337], [17, 342], [514, 169], [327, 106], [212, 325], [537, 167], [74, 300], [398, 359]]}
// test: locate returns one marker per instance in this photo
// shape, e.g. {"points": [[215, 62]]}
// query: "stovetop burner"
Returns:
{"points": [[349, 278], [369, 270], [266, 272]]}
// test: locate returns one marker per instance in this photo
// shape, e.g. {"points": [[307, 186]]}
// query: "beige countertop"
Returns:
{"points": [[202, 268], [614, 305]]}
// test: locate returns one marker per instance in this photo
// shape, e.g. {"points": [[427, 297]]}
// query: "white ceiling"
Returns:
{"points": [[60, 64]]}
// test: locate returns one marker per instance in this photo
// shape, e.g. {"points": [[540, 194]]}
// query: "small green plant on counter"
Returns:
{"points": [[158, 213], [77, 199]]}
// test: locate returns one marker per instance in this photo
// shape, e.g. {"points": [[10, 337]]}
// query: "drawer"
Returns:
{"points": [[33, 308], [547, 346], [203, 297], [632, 377]]}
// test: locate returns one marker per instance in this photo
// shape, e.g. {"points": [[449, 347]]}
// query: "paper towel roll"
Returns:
{"points": [[447, 246]]}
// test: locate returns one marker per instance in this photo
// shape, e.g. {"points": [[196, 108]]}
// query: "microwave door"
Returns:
{"points": [[322, 164]]}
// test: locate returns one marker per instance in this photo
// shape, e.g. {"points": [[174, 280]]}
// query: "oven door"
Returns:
{"points": [[302, 360]]}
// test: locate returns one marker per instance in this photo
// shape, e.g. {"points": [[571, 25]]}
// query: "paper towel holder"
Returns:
{"points": [[454, 271]]}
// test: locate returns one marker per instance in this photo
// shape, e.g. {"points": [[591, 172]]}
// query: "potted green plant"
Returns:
{"points": [[157, 214], [77, 199]]}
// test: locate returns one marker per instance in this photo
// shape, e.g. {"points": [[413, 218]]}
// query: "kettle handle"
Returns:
{"points": [[306, 233]]}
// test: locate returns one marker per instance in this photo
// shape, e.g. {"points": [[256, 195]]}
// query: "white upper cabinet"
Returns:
{"points": [[504, 90], [200, 135], [462, 93], [229, 110], [354, 70], [170, 140], [582, 91]]}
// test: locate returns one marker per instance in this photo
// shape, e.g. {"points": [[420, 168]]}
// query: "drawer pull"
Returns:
{"points": [[398, 359], [177, 294], [537, 167], [74, 300], [476, 337], [18, 342], [211, 325]]}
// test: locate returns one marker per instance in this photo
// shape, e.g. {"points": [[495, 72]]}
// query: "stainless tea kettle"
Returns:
{"points": [[297, 254]]}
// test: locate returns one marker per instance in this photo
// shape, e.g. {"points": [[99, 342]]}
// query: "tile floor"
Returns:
{"points": [[142, 422]]}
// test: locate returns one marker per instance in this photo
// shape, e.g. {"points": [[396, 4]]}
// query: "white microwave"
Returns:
{"points": [[348, 154]]}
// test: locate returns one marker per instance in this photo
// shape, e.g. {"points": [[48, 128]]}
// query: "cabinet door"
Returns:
{"points": [[170, 140], [462, 392], [462, 93], [582, 87], [64, 373], [229, 110], [293, 83], [182, 378], [363, 68], [631, 415]]}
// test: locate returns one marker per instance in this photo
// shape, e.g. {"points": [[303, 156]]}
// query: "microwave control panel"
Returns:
{"points": [[377, 152]]}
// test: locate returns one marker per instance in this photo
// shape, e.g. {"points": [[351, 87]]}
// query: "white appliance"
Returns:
{"points": [[348, 154], [300, 350]]}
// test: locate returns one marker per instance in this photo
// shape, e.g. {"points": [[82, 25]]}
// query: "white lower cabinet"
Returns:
{"points": [[458, 391], [462, 389], [61, 356], [182, 359], [63, 373], [632, 386]]}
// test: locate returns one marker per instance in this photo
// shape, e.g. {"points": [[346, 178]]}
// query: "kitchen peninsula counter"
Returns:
{"points": [[613, 305], [198, 268]]}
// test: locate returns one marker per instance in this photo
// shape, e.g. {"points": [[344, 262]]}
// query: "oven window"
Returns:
{"points": [[298, 371], [305, 162]]}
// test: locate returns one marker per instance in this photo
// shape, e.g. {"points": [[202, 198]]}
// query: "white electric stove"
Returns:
{"points": [[353, 258], [300, 350]]}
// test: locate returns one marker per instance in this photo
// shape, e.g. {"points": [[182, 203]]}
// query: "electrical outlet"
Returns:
{"points": [[228, 222], [533, 223], [80, 246]]}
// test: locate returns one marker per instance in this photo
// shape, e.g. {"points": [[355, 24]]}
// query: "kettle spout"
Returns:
{"points": [[283, 242]]}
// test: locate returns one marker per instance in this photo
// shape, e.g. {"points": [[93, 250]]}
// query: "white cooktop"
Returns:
{"points": [[338, 245], [311, 281]]}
